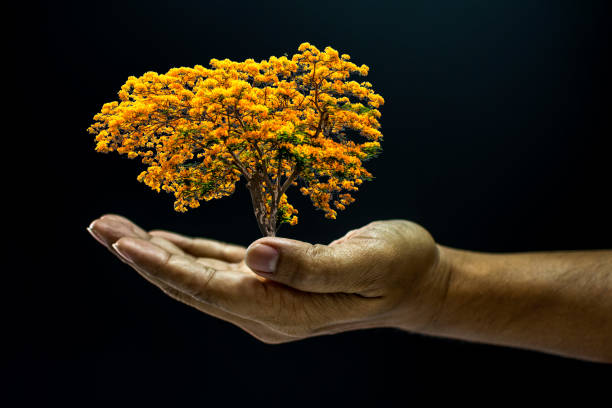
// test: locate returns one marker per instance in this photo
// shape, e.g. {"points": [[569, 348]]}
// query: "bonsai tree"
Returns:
{"points": [[275, 123]]}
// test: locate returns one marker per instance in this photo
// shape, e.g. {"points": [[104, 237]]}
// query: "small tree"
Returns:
{"points": [[274, 123]]}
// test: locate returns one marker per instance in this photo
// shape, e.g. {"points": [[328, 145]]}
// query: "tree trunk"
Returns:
{"points": [[271, 227], [266, 223]]}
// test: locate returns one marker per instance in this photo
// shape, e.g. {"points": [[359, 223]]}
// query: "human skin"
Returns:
{"points": [[385, 274]]}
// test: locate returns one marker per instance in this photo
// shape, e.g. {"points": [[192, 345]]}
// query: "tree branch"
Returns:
{"points": [[279, 160], [294, 174], [261, 159], [240, 165], [264, 165]]}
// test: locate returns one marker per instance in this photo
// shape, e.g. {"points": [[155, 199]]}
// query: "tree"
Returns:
{"points": [[274, 123]]}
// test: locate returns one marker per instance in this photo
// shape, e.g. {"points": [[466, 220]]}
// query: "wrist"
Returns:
{"points": [[444, 271], [467, 292], [420, 308]]}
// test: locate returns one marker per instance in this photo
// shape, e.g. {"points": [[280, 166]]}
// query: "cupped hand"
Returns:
{"points": [[384, 274]]}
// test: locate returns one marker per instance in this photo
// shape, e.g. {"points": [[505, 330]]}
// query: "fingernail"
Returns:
{"points": [[121, 254], [262, 258], [93, 234]]}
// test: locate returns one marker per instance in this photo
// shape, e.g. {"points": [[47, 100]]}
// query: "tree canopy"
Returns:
{"points": [[275, 123]]}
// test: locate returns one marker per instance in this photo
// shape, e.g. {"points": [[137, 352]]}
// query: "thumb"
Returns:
{"points": [[313, 268]]}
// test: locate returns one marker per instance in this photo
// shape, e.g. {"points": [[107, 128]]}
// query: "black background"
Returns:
{"points": [[496, 138]]}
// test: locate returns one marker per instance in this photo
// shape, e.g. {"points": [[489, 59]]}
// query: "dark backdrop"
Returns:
{"points": [[496, 138]]}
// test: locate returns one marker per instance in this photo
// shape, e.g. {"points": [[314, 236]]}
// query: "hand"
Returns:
{"points": [[385, 274]]}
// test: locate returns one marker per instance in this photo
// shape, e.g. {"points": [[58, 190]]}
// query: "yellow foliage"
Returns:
{"points": [[276, 122]]}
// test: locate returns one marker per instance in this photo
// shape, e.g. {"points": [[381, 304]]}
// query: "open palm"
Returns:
{"points": [[214, 278]]}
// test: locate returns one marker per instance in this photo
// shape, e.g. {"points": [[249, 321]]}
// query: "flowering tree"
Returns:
{"points": [[274, 123]]}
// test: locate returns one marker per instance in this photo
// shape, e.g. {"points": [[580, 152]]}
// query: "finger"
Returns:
{"points": [[343, 267], [202, 247], [109, 228], [255, 329], [129, 224], [277, 307], [228, 290]]}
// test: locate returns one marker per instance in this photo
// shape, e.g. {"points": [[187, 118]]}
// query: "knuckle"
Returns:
{"points": [[163, 266], [294, 270], [224, 251], [315, 250], [377, 223], [314, 255], [307, 266]]}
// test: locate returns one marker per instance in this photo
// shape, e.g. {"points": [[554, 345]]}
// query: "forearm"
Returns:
{"points": [[557, 302]]}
